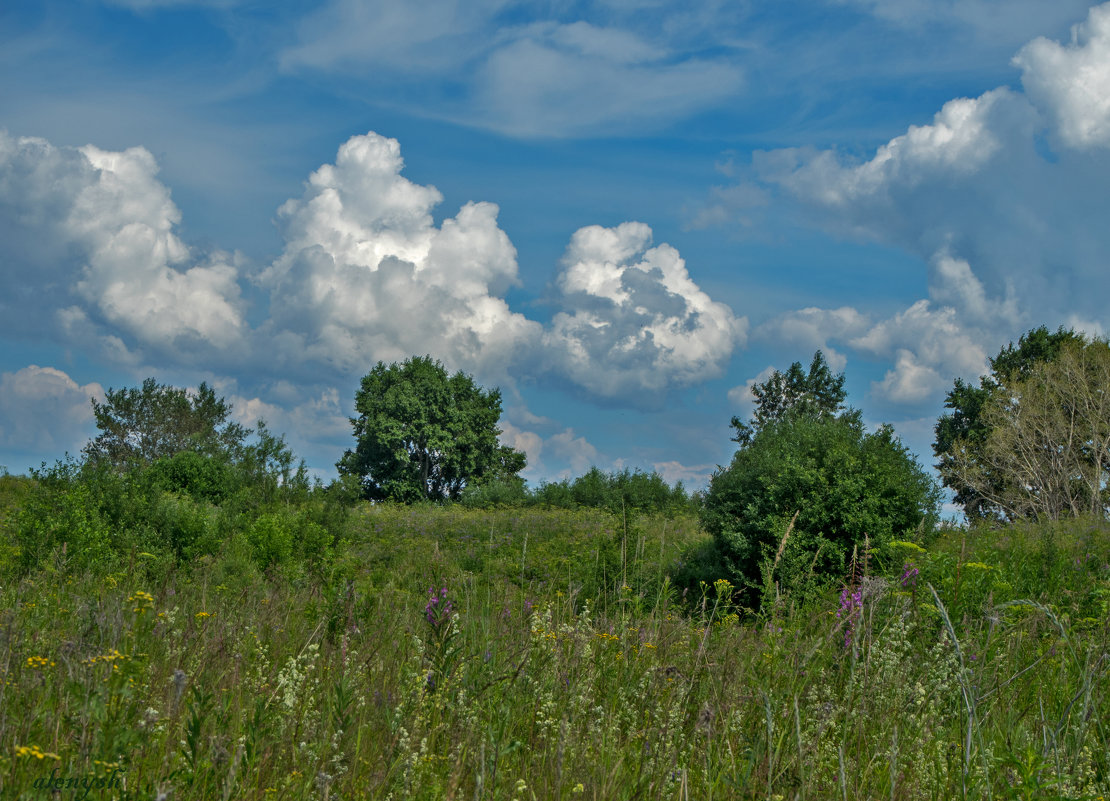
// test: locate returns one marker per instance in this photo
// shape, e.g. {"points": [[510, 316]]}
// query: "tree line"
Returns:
{"points": [[808, 493]]}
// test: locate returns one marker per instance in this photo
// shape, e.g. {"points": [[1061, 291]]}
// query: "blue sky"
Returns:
{"points": [[622, 213]]}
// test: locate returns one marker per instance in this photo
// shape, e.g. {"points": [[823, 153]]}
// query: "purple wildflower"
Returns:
{"points": [[909, 575], [851, 602], [439, 608]]}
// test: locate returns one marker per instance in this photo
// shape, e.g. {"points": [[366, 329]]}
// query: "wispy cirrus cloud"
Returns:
{"points": [[550, 76]]}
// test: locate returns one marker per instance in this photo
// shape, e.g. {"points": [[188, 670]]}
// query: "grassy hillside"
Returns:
{"points": [[530, 653]]}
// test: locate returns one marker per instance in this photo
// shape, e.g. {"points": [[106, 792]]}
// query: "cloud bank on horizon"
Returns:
{"points": [[998, 197], [365, 275]]}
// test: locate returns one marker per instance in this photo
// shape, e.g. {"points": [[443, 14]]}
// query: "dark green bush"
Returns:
{"points": [[498, 492], [61, 515], [184, 506], [271, 539], [205, 478], [620, 492], [700, 563], [186, 526], [826, 481]]}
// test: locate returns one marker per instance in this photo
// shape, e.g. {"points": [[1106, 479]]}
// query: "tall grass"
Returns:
{"points": [[561, 663]]}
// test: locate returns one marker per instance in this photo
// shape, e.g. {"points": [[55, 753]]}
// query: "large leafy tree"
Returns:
{"points": [[139, 426], [962, 433], [424, 435], [1044, 452], [809, 485]]}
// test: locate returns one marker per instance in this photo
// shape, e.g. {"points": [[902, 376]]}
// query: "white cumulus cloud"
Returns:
{"points": [[632, 319], [692, 476], [1001, 195], [43, 410], [742, 398], [552, 457], [1071, 82], [980, 183], [90, 240], [366, 275], [813, 329]]}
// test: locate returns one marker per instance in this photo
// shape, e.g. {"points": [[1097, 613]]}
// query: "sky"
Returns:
{"points": [[622, 213]]}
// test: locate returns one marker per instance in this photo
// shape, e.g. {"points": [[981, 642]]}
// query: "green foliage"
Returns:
{"points": [[13, 495], [424, 435], [266, 468], [62, 519], [187, 526], [271, 538], [246, 498], [1046, 453], [206, 478], [964, 430], [806, 492], [620, 492], [814, 394], [498, 492], [142, 425]]}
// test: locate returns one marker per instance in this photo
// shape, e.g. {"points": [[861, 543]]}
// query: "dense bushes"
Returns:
{"points": [[205, 478], [85, 515], [618, 492], [809, 487], [170, 478], [805, 492]]}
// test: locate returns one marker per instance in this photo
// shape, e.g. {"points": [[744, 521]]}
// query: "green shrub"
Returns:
{"points": [[271, 539], [61, 515], [498, 492], [700, 563], [206, 478], [184, 525], [619, 492], [805, 492]]}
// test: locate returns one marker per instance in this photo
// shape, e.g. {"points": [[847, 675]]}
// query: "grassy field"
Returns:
{"points": [[522, 654]]}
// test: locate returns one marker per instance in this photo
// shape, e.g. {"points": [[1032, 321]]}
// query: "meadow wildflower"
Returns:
{"points": [[439, 608], [851, 602], [34, 751]]}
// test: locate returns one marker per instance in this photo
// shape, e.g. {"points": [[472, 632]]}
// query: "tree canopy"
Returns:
{"points": [[424, 435], [1043, 452], [815, 393], [962, 433], [142, 425], [809, 484]]}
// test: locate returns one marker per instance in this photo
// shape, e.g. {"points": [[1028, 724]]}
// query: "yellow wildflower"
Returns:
{"points": [[34, 751]]}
